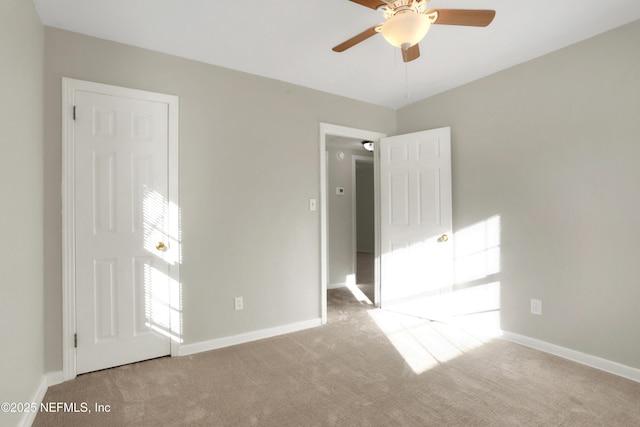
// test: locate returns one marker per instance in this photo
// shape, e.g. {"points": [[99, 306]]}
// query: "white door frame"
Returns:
{"points": [[69, 87], [347, 132]]}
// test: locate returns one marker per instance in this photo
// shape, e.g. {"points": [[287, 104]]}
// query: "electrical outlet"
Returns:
{"points": [[239, 303], [536, 306]]}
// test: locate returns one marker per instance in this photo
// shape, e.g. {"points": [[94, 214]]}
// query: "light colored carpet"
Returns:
{"points": [[364, 368]]}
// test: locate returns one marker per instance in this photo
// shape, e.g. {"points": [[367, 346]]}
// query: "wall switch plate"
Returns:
{"points": [[536, 306], [340, 191], [238, 303], [312, 204]]}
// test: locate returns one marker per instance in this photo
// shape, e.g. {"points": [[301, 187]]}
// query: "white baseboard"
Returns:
{"points": [[47, 380], [217, 343], [575, 356], [55, 378], [29, 417], [336, 285]]}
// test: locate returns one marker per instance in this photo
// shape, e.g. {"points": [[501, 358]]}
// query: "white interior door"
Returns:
{"points": [[121, 212], [415, 198]]}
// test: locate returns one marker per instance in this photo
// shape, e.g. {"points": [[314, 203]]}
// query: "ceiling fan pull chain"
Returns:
{"points": [[406, 80]]}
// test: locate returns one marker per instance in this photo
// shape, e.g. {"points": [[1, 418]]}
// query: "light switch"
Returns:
{"points": [[340, 191], [312, 204]]}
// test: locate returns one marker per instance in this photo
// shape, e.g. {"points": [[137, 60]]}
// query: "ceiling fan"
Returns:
{"points": [[407, 22]]}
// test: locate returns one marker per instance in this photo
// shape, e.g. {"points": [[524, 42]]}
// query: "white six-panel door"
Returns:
{"points": [[415, 198], [121, 211]]}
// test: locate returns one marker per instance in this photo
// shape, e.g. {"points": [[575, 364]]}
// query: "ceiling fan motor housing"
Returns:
{"points": [[406, 28]]}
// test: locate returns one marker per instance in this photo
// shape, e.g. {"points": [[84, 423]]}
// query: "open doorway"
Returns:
{"points": [[341, 148], [364, 224], [350, 206]]}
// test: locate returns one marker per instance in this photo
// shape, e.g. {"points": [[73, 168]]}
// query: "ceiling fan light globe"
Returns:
{"points": [[404, 29]]}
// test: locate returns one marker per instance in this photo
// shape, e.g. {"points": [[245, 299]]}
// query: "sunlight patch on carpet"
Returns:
{"points": [[425, 344], [355, 290]]}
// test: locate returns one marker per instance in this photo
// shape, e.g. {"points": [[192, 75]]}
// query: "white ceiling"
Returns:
{"points": [[292, 40]]}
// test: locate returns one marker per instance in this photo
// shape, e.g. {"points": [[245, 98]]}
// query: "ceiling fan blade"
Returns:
{"points": [[410, 54], [466, 17], [373, 4], [356, 39]]}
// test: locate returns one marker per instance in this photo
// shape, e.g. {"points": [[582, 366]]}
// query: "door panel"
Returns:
{"points": [[104, 289], [428, 198], [399, 198], [415, 197], [121, 181]]}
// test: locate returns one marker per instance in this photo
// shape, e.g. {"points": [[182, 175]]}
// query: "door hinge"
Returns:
{"points": [[74, 112], [75, 340]]}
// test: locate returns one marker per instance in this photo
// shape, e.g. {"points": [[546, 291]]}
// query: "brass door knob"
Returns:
{"points": [[161, 246], [443, 238]]}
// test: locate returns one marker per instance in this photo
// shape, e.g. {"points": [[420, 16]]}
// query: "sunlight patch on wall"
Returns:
{"points": [[477, 310], [477, 250]]}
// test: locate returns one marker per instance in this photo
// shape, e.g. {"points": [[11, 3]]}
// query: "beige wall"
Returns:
{"points": [[552, 146], [249, 165], [21, 334]]}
